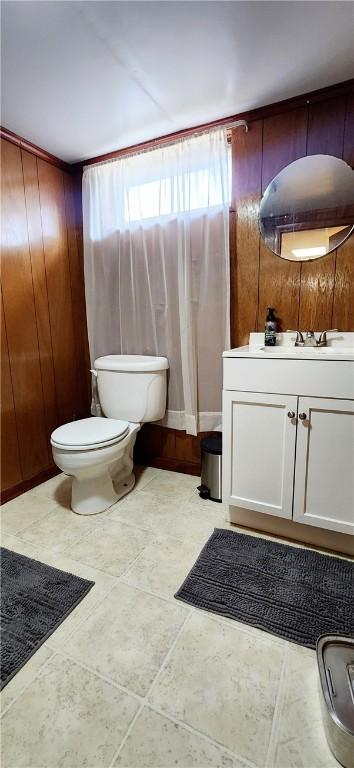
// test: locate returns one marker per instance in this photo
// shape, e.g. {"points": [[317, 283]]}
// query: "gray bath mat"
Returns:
{"points": [[35, 599], [292, 592]]}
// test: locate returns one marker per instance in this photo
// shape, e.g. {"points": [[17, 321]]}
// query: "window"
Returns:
{"points": [[193, 191]]}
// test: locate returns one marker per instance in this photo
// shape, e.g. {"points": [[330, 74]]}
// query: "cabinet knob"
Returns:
{"points": [[302, 416], [291, 414]]}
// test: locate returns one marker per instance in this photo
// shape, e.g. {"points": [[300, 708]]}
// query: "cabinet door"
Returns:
{"points": [[259, 434], [324, 470]]}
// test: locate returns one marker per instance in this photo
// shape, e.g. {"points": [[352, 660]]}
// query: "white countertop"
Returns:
{"points": [[340, 346]]}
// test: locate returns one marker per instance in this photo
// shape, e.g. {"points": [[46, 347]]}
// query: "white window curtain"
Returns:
{"points": [[156, 247]]}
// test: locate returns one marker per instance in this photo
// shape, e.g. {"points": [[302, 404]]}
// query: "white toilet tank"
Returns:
{"points": [[132, 387]]}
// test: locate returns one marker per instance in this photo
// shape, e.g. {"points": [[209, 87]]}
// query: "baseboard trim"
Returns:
{"points": [[320, 538], [176, 465], [27, 485]]}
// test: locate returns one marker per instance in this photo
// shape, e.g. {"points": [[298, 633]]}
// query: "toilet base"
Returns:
{"points": [[125, 486], [92, 495], [100, 477], [95, 495]]}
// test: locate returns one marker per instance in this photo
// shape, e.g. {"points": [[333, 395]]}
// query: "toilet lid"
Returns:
{"points": [[91, 433]]}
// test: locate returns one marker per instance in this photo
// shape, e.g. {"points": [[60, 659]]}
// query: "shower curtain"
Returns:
{"points": [[156, 250]]}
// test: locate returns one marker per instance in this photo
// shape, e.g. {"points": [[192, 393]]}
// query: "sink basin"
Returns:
{"points": [[326, 372], [340, 347], [303, 351]]}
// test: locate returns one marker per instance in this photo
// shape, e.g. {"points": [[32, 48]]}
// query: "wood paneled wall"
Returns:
{"points": [[168, 449], [44, 345], [313, 295], [43, 330]]}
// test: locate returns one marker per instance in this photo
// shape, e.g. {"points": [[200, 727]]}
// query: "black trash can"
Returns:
{"points": [[211, 459]]}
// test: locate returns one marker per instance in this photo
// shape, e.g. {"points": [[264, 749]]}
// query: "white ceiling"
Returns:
{"points": [[83, 78]]}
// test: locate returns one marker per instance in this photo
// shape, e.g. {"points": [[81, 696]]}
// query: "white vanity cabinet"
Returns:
{"points": [[259, 451], [288, 435], [324, 467]]}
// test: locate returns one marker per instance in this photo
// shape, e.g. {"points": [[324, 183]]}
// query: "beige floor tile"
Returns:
{"points": [[206, 505], [257, 634], [224, 683], [145, 510], [111, 546], [24, 676], [79, 614], [68, 717], [207, 512], [21, 512], [299, 739], [170, 515], [103, 583], [173, 482], [156, 742], [59, 529], [143, 475], [141, 497], [127, 637], [17, 544], [56, 489], [163, 565], [221, 678]]}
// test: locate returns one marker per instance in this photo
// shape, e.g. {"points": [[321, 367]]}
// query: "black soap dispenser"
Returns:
{"points": [[270, 335]]}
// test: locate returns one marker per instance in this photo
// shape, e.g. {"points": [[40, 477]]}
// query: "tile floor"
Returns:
{"points": [[134, 678]]}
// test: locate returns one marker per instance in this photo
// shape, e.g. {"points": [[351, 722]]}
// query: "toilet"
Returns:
{"points": [[98, 452]]}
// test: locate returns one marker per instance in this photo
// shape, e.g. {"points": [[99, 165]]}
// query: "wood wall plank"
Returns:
{"points": [[76, 268], [34, 225], [187, 446], [52, 201], [348, 143], [10, 455], [45, 352], [244, 232], [168, 443], [77, 198], [258, 277], [325, 136], [326, 127], [284, 140], [20, 316], [343, 303], [148, 443]]}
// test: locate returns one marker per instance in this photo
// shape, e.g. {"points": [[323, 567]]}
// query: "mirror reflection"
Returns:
{"points": [[308, 209]]}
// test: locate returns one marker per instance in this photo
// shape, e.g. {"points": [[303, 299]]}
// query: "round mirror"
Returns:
{"points": [[308, 208]]}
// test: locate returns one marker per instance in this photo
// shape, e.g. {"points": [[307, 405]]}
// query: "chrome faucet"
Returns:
{"points": [[299, 341], [322, 341], [310, 338]]}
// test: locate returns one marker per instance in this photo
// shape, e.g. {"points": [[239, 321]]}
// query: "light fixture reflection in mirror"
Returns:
{"points": [[307, 210]]}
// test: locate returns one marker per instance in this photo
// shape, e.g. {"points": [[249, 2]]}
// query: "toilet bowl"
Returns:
{"points": [[97, 452], [101, 469]]}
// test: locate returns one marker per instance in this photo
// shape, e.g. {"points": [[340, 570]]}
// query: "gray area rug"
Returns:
{"points": [[35, 599], [295, 593]]}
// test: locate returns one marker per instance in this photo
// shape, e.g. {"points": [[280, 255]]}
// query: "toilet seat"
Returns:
{"points": [[89, 434]]}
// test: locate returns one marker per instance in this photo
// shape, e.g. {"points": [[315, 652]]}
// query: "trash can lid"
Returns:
{"points": [[212, 444], [335, 658]]}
